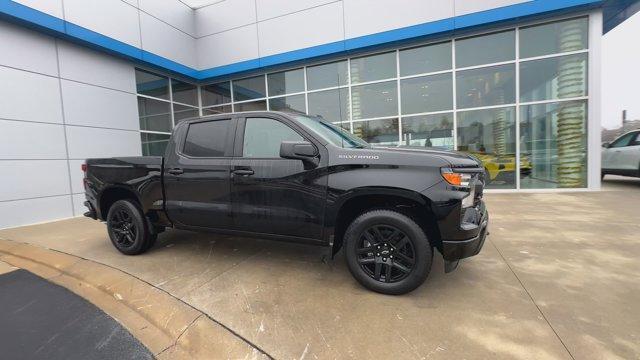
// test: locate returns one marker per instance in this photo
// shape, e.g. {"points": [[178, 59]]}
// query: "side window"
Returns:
{"points": [[262, 137], [636, 142], [206, 139], [623, 141]]}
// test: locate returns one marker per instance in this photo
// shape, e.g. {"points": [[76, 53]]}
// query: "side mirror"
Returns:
{"points": [[299, 150], [606, 144]]}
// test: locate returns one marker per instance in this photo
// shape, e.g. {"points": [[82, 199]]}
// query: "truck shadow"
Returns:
{"points": [[201, 254]]}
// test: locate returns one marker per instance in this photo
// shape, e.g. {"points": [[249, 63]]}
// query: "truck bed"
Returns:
{"points": [[140, 175]]}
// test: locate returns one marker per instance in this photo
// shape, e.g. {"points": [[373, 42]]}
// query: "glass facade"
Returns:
{"points": [[490, 135], [516, 99], [162, 103], [553, 162]]}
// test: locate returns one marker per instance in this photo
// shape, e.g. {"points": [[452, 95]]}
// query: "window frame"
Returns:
{"points": [[169, 100], [229, 138], [238, 151]]}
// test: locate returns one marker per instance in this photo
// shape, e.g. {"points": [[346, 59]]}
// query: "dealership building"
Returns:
{"points": [[514, 82]]}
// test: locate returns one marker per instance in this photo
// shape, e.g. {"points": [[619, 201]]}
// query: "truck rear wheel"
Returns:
{"points": [[128, 228], [387, 252]]}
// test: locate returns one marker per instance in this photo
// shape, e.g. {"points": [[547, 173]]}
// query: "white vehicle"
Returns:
{"points": [[622, 156]]}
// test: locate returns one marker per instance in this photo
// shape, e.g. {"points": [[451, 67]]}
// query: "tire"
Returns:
{"points": [[128, 228], [371, 241]]}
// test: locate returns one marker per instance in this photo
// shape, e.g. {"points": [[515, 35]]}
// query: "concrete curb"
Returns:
{"points": [[6, 268], [168, 327]]}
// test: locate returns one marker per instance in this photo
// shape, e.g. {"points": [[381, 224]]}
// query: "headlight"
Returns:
{"points": [[461, 180], [456, 178]]}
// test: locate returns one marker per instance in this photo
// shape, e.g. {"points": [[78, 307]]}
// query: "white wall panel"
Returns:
{"points": [[78, 204], [303, 29], [268, 9], [29, 96], [89, 66], [238, 44], [132, 2], [51, 7], [23, 179], [26, 49], [464, 7], [364, 17], [172, 12], [96, 106], [27, 140], [112, 18], [85, 142], [23, 212], [164, 40], [76, 176], [202, 3], [225, 15]]}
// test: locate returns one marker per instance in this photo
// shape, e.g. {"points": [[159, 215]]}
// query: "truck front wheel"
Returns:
{"points": [[387, 252], [128, 228]]}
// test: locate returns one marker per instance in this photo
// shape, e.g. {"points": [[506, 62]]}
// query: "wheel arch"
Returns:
{"points": [[407, 202], [113, 193]]}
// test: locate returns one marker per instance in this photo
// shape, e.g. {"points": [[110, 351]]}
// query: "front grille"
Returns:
{"points": [[480, 186]]}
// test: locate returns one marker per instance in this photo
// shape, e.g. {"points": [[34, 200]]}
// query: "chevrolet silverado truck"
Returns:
{"points": [[301, 179]]}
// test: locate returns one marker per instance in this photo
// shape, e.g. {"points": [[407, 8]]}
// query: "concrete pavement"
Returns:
{"points": [[168, 327], [557, 278]]}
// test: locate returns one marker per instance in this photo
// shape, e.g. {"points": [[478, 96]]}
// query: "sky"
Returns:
{"points": [[621, 73]]}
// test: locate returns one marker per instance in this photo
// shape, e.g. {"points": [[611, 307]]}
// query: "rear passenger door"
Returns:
{"points": [[272, 195], [197, 174]]}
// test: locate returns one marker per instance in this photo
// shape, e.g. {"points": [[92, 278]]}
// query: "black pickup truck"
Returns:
{"points": [[298, 178]]}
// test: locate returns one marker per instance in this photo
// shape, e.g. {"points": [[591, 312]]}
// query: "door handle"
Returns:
{"points": [[243, 172], [175, 171]]}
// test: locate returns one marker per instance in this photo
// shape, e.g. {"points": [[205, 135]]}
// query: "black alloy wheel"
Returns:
{"points": [[124, 228], [385, 253], [128, 228]]}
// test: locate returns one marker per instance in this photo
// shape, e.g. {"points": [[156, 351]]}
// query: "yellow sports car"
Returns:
{"points": [[502, 167]]}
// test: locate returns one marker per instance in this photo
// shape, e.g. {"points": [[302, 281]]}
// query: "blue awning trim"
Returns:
{"points": [[32, 18], [617, 11]]}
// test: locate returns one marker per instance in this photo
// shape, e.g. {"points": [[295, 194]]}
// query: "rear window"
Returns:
{"points": [[206, 139]]}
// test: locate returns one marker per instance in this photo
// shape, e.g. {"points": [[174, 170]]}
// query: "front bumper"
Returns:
{"points": [[460, 249], [463, 233]]}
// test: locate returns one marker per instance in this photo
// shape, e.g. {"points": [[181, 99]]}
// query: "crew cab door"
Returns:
{"points": [[272, 195], [197, 174]]}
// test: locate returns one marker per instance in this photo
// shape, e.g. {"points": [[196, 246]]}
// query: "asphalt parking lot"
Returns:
{"points": [[41, 320], [557, 278]]}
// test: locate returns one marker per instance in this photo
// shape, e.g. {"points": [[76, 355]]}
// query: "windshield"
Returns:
{"points": [[332, 133]]}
